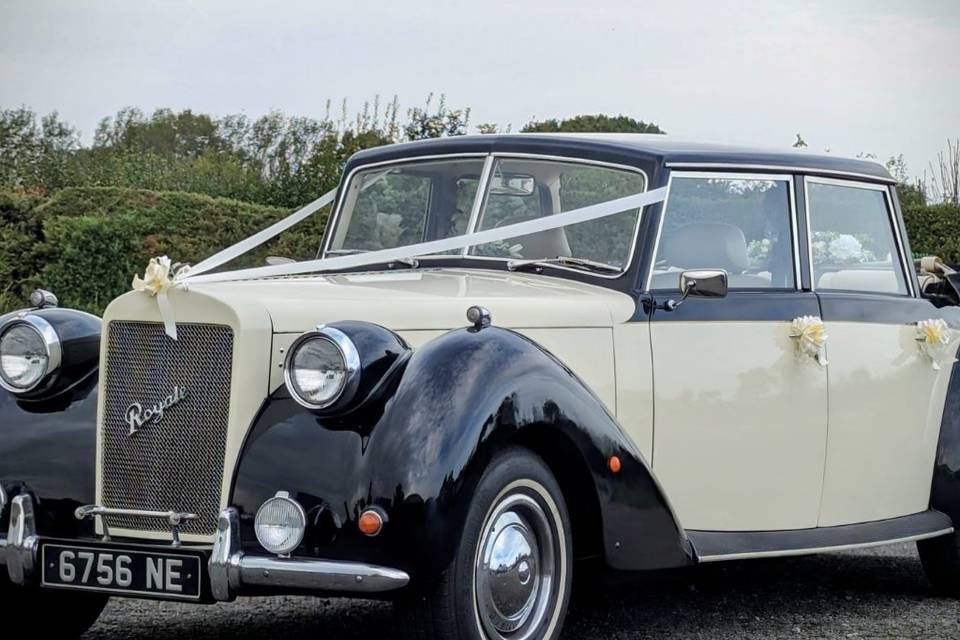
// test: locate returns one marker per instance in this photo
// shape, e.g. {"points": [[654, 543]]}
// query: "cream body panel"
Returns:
{"points": [[431, 299], [886, 404], [250, 377], [740, 425], [571, 320], [634, 367], [587, 352]]}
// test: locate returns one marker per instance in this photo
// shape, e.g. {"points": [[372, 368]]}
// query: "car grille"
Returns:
{"points": [[175, 463]]}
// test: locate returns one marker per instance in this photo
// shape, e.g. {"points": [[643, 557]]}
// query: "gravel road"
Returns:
{"points": [[875, 593]]}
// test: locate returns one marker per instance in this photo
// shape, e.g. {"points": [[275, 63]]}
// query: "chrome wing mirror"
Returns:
{"points": [[700, 283]]}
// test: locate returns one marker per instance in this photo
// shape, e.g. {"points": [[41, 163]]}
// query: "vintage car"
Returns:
{"points": [[513, 353]]}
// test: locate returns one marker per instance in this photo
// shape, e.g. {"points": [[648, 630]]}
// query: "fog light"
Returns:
{"points": [[281, 523]]}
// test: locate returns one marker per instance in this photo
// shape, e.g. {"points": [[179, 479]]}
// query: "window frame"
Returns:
{"points": [[894, 226], [734, 175], [479, 201]]}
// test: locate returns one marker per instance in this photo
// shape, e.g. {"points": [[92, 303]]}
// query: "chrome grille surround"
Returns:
{"points": [[176, 463]]}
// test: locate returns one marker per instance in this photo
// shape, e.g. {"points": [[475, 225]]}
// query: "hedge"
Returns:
{"points": [[934, 231], [85, 244]]}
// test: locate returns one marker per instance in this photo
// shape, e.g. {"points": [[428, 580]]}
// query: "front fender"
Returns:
{"points": [[49, 450], [461, 398]]}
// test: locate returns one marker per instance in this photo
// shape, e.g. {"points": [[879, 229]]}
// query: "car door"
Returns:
{"points": [[739, 416], [886, 396]]}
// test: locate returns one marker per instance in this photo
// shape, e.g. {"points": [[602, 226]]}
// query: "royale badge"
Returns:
{"points": [[137, 417]]}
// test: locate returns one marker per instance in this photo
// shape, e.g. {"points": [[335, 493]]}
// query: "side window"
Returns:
{"points": [[739, 224], [851, 239]]}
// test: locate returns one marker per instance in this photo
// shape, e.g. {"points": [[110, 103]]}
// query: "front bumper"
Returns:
{"points": [[230, 571]]}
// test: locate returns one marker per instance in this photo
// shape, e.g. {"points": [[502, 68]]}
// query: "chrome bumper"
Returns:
{"points": [[230, 570], [18, 550]]}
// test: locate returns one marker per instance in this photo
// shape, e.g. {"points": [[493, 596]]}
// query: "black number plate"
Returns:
{"points": [[123, 571]]}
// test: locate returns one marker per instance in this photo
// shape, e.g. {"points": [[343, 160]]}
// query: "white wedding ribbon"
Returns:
{"points": [[198, 274], [254, 241], [555, 221]]}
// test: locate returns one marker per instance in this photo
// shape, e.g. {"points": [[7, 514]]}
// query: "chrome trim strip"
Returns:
{"points": [[788, 178], [479, 199], [21, 544], [3, 535], [905, 265], [812, 550], [325, 575], [231, 570], [51, 344], [778, 168]]}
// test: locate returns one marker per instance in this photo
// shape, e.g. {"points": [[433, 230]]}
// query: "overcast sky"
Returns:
{"points": [[878, 76]]}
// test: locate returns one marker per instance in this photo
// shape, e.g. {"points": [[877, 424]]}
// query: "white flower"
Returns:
{"points": [[156, 279], [811, 337], [933, 336]]}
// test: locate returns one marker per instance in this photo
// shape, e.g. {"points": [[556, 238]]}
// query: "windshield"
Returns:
{"points": [[405, 204]]}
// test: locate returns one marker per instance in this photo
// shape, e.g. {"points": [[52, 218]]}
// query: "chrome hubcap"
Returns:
{"points": [[514, 575]]}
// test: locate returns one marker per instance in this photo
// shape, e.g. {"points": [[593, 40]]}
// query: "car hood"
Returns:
{"points": [[424, 299]]}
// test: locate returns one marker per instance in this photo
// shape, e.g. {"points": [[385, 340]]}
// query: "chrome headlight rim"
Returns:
{"points": [[351, 362], [290, 547], [52, 347]]}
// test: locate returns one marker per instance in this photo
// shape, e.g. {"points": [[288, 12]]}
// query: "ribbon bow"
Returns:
{"points": [[157, 281]]}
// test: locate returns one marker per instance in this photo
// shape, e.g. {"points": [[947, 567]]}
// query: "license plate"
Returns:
{"points": [[123, 571]]}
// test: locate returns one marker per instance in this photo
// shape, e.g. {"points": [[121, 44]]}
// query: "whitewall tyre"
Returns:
{"points": [[511, 577]]}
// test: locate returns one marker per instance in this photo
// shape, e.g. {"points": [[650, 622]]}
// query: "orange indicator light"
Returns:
{"points": [[614, 464], [370, 523]]}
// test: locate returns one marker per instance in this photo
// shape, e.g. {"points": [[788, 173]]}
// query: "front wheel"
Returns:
{"points": [[511, 578]]}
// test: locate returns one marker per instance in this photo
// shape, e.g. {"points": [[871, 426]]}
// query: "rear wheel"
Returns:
{"points": [[47, 613], [511, 577], [941, 562]]}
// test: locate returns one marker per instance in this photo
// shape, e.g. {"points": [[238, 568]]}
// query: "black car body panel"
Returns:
{"points": [[461, 398]]}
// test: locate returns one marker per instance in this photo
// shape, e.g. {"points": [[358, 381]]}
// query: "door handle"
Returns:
{"points": [[810, 337]]}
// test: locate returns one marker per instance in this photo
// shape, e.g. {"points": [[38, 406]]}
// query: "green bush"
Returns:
{"points": [[934, 231], [86, 244]]}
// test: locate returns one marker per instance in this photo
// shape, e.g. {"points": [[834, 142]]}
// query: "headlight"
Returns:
{"points": [[322, 367], [280, 525], [29, 352]]}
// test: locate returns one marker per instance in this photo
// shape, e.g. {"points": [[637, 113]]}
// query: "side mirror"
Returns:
{"points": [[700, 283]]}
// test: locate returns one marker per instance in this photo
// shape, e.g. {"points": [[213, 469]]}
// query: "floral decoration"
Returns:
{"points": [[934, 336], [811, 337]]}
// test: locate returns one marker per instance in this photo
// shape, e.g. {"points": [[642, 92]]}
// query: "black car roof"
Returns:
{"points": [[663, 149]]}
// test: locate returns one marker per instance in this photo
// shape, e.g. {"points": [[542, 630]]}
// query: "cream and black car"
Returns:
{"points": [[749, 364]]}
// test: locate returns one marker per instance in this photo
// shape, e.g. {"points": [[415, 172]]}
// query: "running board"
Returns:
{"points": [[715, 546]]}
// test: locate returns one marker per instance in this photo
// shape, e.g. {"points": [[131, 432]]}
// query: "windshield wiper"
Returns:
{"points": [[566, 261], [412, 263]]}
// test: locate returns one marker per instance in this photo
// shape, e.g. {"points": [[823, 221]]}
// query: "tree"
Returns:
{"points": [[945, 179], [599, 123]]}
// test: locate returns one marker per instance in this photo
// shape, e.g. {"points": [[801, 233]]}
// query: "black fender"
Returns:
{"points": [[945, 487], [419, 455], [49, 450], [48, 439]]}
